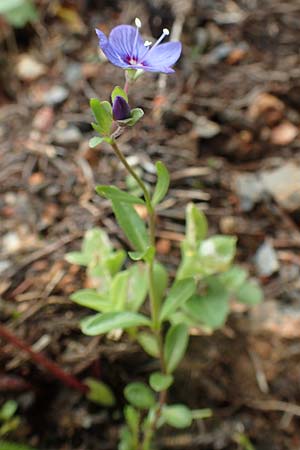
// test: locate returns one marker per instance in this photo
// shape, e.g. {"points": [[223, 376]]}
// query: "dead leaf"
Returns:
{"points": [[266, 106]]}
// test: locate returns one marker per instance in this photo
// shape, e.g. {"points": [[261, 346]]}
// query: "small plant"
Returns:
{"points": [[206, 279], [18, 12], [9, 422]]}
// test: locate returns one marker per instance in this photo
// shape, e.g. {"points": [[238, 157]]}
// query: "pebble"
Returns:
{"points": [[73, 73], [11, 242], [43, 119], [66, 136], [4, 265], [250, 189], [283, 184], [205, 128], [29, 69], [56, 95], [266, 260]]}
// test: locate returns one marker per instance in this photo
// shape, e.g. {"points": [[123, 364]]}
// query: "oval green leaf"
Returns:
{"points": [[99, 392], [149, 343], [160, 382], [132, 225], [179, 293], [113, 193], [175, 346], [178, 416], [118, 91], [139, 395], [103, 323], [162, 185], [90, 298]]}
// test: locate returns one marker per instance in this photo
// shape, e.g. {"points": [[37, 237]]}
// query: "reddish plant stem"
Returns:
{"points": [[43, 361]]}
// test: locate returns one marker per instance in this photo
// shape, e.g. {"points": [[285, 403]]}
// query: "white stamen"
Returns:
{"points": [[165, 33], [137, 22]]}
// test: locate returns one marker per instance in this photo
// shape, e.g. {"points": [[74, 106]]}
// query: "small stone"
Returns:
{"points": [[56, 95], [4, 265], [29, 69], [249, 189], [205, 128], [284, 185], [73, 73], [11, 242], [284, 133], [43, 119], [66, 136], [266, 260], [266, 106]]}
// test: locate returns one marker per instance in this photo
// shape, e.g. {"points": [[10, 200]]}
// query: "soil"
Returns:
{"points": [[231, 109]]}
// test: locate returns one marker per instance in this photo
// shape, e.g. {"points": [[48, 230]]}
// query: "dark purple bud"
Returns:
{"points": [[121, 110]]}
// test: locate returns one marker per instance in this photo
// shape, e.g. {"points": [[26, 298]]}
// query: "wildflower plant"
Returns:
{"points": [[141, 300]]}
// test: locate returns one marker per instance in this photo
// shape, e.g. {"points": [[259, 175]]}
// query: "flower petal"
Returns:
{"points": [[121, 110], [162, 57], [109, 51], [127, 42]]}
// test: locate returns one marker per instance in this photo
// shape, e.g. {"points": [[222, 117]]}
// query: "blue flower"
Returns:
{"points": [[120, 108], [125, 48]]}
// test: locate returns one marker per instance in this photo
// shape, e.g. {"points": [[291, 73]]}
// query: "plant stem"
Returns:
{"points": [[44, 362], [154, 300]]}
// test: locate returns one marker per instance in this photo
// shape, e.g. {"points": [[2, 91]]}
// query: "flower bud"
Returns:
{"points": [[121, 110]]}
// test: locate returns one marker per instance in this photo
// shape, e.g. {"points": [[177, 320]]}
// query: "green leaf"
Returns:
{"points": [[107, 106], [179, 293], [147, 255], [149, 343], [204, 413], [211, 256], [196, 225], [136, 115], [118, 91], [96, 240], [99, 392], [18, 12], [234, 278], [113, 193], [243, 441], [139, 395], [8, 410], [126, 439], [160, 276], [7, 445], [114, 261], [96, 140], [160, 382], [132, 225], [103, 323], [175, 345], [250, 293], [90, 298], [132, 417], [177, 416], [137, 287], [77, 258], [119, 290], [210, 309], [162, 185], [103, 115]]}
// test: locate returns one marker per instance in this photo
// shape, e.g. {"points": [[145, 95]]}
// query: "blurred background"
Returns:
{"points": [[226, 124]]}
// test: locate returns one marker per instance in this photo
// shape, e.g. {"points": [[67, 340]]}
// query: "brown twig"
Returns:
{"points": [[43, 361]]}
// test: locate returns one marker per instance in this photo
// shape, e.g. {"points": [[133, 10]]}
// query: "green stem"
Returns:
{"points": [[154, 300]]}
